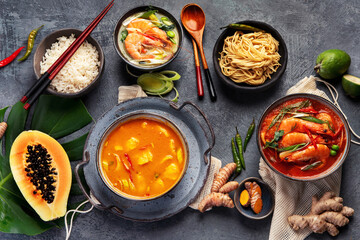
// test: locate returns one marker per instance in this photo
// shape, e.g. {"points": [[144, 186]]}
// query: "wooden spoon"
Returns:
{"points": [[193, 19]]}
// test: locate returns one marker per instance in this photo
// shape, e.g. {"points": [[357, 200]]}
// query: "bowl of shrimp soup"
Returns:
{"points": [[303, 137], [148, 38]]}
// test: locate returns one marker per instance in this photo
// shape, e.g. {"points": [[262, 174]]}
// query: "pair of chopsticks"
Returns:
{"points": [[34, 92]]}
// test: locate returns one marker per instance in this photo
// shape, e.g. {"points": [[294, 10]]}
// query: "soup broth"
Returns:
{"points": [[148, 39], [298, 138], [143, 158]]}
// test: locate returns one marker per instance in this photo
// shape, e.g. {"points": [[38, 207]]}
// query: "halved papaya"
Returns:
{"points": [[42, 171]]}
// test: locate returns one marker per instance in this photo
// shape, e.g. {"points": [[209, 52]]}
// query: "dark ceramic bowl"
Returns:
{"points": [[135, 116], [267, 198], [144, 9], [328, 104], [46, 44], [242, 87]]}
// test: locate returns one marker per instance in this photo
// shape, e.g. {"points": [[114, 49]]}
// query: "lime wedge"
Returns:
{"points": [[351, 85]]}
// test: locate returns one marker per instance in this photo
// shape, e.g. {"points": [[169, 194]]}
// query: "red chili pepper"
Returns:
{"points": [[308, 110], [336, 134], [313, 141], [129, 160], [11, 58]]}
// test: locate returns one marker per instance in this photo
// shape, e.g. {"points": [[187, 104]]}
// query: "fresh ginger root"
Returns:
{"points": [[256, 202], [219, 189], [326, 214], [223, 176], [229, 187], [217, 200]]}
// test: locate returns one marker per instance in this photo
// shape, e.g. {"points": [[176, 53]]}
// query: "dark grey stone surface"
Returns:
{"points": [[308, 27]]}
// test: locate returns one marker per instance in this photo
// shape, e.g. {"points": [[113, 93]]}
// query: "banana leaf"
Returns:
{"points": [[57, 117]]}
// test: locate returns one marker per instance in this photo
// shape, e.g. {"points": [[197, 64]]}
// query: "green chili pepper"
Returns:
{"points": [[249, 133], [170, 34], [30, 45], [236, 157], [244, 27], [311, 166], [239, 145]]}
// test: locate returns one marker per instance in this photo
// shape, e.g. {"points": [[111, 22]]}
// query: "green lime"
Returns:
{"points": [[351, 85], [332, 63]]}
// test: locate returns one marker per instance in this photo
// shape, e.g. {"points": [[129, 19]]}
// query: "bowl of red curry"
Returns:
{"points": [[303, 137]]}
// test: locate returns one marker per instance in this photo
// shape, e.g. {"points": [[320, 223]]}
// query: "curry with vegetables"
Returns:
{"points": [[302, 137], [143, 158]]}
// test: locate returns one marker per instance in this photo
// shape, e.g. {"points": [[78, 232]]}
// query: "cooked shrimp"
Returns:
{"points": [[300, 125], [326, 118], [322, 152], [134, 46], [294, 138], [147, 27]]}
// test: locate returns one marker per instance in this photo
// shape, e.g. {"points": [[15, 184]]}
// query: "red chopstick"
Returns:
{"points": [[34, 92]]}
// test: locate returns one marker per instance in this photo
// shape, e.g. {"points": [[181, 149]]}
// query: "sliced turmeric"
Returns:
{"points": [[223, 176], [217, 200], [254, 191], [245, 198]]}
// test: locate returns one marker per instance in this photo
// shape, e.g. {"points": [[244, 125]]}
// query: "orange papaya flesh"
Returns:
{"points": [[42, 171]]}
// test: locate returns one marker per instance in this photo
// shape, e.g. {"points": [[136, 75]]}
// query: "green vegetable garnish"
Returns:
{"points": [[172, 40], [123, 35], [311, 166], [243, 27], [148, 14], [333, 152], [273, 143], [166, 21], [292, 148], [335, 147], [170, 34]]}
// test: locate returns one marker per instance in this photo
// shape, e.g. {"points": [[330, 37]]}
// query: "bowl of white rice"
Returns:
{"points": [[83, 70]]}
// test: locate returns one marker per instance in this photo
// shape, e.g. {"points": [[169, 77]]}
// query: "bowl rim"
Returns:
{"points": [[101, 67], [237, 198], [140, 9], [129, 117], [250, 88], [327, 103]]}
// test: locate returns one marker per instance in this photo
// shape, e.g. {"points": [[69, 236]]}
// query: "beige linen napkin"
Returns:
{"points": [[134, 91], [293, 197]]}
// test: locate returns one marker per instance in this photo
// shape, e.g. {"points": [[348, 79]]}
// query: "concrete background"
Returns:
{"points": [[308, 28]]}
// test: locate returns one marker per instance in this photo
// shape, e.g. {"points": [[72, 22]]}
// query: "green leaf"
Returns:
{"points": [[74, 149], [16, 124], [277, 136], [59, 117]]}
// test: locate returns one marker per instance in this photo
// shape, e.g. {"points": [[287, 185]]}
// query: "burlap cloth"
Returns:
{"points": [[291, 197]]}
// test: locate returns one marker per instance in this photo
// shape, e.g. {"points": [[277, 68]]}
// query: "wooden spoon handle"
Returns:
{"points": [[199, 83]]}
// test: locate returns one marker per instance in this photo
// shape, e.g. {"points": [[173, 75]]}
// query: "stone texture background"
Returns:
{"points": [[308, 28]]}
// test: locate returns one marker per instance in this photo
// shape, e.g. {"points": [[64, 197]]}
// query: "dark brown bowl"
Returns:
{"points": [[267, 198], [143, 9], [242, 87], [328, 104], [46, 44]]}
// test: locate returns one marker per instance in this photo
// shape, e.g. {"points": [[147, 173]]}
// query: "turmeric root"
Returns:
{"points": [[255, 196], [326, 214], [3, 127], [215, 199], [245, 198], [222, 177], [229, 186]]}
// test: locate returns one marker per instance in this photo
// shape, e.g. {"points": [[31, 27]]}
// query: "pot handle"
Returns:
{"points": [[207, 152], [96, 204]]}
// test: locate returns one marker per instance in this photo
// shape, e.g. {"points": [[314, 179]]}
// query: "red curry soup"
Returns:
{"points": [[143, 158], [302, 138]]}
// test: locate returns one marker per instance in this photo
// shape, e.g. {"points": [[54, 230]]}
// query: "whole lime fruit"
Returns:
{"points": [[351, 85], [332, 63]]}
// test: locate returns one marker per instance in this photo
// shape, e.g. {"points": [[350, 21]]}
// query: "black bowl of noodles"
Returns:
{"points": [[253, 68]]}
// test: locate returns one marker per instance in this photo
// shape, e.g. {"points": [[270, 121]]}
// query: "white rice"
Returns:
{"points": [[78, 72]]}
